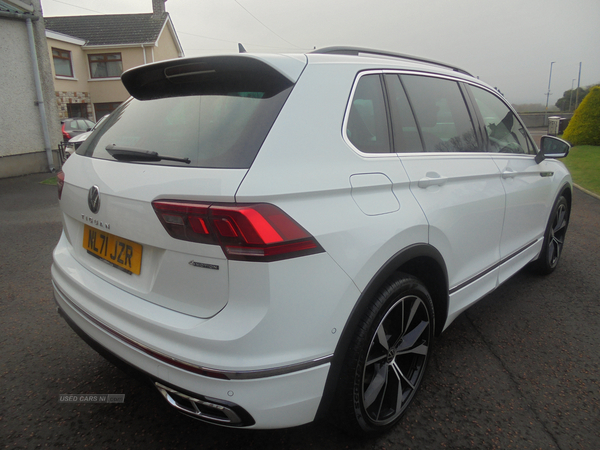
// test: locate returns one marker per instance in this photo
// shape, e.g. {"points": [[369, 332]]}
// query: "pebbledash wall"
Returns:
{"points": [[22, 146]]}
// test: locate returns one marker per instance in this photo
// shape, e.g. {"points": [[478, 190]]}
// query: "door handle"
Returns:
{"points": [[432, 179], [508, 173]]}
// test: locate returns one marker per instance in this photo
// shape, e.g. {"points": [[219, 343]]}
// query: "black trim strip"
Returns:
{"points": [[204, 371], [492, 268]]}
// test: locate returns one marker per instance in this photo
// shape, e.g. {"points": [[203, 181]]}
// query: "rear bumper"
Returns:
{"points": [[268, 375], [273, 402], [194, 405]]}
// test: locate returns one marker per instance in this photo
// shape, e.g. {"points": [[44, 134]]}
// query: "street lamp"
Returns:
{"points": [[571, 96], [548, 94]]}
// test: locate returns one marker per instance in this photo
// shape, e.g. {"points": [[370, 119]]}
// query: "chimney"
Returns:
{"points": [[158, 7]]}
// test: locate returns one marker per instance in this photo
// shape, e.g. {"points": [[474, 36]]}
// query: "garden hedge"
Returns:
{"points": [[584, 127]]}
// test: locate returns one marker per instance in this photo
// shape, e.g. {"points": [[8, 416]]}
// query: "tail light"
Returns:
{"points": [[259, 232], [60, 182], [65, 133]]}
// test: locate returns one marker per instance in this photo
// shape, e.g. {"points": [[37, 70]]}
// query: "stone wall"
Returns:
{"points": [[64, 98]]}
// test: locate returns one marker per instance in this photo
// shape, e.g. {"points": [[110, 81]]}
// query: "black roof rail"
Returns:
{"points": [[355, 51]]}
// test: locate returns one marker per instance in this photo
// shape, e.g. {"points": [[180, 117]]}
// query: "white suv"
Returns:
{"points": [[274, 239]]}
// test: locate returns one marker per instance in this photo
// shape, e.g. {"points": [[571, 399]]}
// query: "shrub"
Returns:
{"points": [[584, 127]]}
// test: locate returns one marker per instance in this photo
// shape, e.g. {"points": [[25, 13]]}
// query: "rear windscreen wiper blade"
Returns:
{"points": [[135, 154]]}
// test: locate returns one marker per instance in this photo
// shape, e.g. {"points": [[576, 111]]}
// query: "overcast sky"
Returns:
{"points": [[510, 44]]}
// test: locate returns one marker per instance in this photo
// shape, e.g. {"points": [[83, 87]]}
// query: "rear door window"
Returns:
{"points": [[442, 115]]}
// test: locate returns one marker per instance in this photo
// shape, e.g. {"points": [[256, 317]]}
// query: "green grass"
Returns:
{"points": [[50, 181], [584, 164]]}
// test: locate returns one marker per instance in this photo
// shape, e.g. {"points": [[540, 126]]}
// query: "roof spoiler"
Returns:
{"points": [[210, 75]]}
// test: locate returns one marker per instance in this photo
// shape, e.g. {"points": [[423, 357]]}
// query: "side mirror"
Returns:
{"points": [[552, 147]]}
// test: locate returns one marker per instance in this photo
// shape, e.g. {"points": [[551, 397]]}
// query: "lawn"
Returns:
{"points": [[584, 164]]}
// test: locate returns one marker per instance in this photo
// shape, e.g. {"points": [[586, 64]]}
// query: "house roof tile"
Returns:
{"points": [[110, 29]]}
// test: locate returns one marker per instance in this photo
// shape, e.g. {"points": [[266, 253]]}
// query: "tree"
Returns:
{"points": [[568, 99], [584, 127]]}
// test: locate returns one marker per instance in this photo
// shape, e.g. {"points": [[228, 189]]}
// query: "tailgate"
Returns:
{"points": [[124, 242]]}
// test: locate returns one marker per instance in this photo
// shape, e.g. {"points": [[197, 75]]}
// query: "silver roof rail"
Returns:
{"points": [[358, 50]]}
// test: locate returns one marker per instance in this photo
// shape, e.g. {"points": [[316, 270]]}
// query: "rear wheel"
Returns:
{"points": [[388, 357]]}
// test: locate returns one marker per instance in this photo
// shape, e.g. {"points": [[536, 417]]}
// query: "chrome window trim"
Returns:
{"points": [[483, 86]]}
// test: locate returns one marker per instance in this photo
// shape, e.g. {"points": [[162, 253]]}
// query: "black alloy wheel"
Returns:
{"points": [[388, 357]]}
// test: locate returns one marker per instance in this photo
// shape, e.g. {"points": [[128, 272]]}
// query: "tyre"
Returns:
{"points": [[387, 358], [554, 238]]}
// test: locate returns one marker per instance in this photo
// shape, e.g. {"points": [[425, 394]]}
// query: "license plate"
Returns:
{"points": [[118, 252]]}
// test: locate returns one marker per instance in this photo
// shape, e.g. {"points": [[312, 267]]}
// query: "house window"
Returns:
{"points": [[77, 110], [107, 65], [103, 109], [62, 63]]}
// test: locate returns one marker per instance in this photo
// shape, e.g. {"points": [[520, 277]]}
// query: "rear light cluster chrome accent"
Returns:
{"points": [[205, 408], [257, 232]]}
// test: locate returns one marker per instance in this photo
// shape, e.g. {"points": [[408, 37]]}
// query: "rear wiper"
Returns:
{"points": [[135, 154]]}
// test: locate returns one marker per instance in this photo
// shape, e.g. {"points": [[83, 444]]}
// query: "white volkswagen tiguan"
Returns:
{"points": [[272, 239]]}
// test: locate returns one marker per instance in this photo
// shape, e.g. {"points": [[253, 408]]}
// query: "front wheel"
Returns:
{"points": [[554, 238], [387, 358]]}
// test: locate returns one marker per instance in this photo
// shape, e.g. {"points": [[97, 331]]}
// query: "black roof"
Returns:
{"points": [[110, 29]]}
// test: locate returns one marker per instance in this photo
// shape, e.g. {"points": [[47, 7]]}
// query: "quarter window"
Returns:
{"points": [[505, 132], [367, 125], [108, 65], [62, 63], [441, 113]]}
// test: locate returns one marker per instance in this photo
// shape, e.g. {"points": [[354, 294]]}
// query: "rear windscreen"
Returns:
{"points": [[212, 131]]}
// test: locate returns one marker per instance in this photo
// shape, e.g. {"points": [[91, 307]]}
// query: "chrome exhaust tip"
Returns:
{"points": [[207, 409]]}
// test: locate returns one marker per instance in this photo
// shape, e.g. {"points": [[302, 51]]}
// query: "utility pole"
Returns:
{"points": [[548, 95], [578, 83]]}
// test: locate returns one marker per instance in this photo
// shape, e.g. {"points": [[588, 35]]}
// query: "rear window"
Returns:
{"points": [[214, 130]]}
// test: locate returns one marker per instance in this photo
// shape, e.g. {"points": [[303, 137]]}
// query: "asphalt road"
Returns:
{"points": [[519, 370]]}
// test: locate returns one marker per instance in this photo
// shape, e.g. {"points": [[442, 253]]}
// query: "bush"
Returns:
{"points": [[584, 128]]}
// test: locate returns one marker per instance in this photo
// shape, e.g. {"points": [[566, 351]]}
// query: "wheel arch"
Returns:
{"points": [[421, 261], [567, 192]]}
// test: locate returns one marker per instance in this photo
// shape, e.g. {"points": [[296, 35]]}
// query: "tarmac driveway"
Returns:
{"points": [[520, 369]]}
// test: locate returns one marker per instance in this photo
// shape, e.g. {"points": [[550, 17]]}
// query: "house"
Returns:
{"points": [[28, 112], [89, 53]]}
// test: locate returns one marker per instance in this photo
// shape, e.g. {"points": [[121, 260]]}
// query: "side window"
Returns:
{"points": [[367, 125], [406, 134], [441, 113], [505, 132]]}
